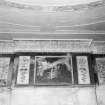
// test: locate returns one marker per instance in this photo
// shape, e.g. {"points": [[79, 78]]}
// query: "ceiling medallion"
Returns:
{"points": [[56, 7]]}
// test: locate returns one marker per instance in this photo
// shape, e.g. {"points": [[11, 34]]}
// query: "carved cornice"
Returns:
{"points": [[45, 45], [6, 46], [55, 45], [54, 8]]}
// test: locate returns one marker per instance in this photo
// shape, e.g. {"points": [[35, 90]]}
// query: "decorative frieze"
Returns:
{"points": [[96, 47], [53, 46], [6, 47]]}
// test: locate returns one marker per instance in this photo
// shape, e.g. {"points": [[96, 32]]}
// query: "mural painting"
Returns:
{"points": [[53, 70]]}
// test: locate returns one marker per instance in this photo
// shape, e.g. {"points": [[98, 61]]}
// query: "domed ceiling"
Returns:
{"points": [[52, 2], [52, 19]]}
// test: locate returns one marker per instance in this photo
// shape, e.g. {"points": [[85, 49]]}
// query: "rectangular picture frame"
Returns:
{"points": [[83, 70], [53, 70]]}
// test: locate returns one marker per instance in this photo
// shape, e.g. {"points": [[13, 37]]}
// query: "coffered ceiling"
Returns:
{"points": [[52, 19]]}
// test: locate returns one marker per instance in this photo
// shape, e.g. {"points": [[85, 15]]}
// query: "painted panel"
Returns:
{"points": [[100, 66], [53, 70], [83, 70], [4, 68], [23, 70]]}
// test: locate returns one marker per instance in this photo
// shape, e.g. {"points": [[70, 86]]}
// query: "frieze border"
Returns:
{"points": [[96, 47]]}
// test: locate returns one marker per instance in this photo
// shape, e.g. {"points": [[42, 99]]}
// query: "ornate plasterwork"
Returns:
{"points": [[45, 46], [55, 8], [6, 47], [89, 45], [98, 47], [53, 45]]}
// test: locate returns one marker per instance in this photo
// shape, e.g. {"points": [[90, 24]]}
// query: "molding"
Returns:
{"points": [[20, 39], [56, 32], [99, 41], [36, 45], [46, 45], [52, 45]]}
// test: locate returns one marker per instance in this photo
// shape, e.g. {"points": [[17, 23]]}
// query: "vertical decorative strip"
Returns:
{"points": [[83, 70], [23, 70], [100, 64], [4, 68]]}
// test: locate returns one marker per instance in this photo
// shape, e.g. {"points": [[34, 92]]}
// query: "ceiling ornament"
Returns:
{"points": [[54, 8]]}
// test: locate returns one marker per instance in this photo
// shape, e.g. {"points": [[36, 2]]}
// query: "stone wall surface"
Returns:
{"points": [[5, 97], [100, 92], [49, 96]]}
